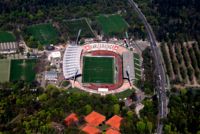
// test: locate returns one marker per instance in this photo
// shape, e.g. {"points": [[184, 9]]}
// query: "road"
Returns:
{"points": [[159, 69]]}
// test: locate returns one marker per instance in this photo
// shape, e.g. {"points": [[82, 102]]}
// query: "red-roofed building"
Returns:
{"points": [[71, 119], [112, 131], [90, 130], [94, 118], [114, 122]]}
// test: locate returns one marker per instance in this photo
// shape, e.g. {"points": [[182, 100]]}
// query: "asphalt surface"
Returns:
{"points": [[159, 69]]}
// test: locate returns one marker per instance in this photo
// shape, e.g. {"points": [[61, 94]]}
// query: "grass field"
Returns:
{"points": [[44, 33], [4, 70], [112, 24], [72, 27], [98, 70], [7, 37], [22, 70], [125, 94]]}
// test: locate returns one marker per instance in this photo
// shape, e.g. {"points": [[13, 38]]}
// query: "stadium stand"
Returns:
{"points": [[8, 47], [128, 66], [71, 61]]}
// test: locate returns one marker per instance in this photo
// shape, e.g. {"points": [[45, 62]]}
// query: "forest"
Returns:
{"points": [[171, 20]]}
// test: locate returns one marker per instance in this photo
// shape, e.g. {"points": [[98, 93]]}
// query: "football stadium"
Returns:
{"points": [[99, 67]]}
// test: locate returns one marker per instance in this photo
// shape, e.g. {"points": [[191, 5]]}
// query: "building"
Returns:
{"points": [[51, 76], [71, 119], [112, 131], [54, 55], [91, 130], [114, 122], [95, 119], [8, 47]]}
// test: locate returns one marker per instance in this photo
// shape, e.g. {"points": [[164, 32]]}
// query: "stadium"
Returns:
{"points": [[103, 68]]}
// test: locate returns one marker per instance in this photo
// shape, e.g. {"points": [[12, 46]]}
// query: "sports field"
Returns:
{"points": [[44, 33], [6, 37], [112, 24], [98, 70], [72, 28], [22, 70], [4, 70]]}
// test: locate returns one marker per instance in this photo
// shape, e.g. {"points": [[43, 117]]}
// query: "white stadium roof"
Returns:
{"points": [[71, 61]]}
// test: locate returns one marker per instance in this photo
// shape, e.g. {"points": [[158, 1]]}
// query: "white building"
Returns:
{"points": [[54, 55]]}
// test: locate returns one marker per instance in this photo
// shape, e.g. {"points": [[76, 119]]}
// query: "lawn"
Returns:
{"points": [[44, 33], [23, 70], [7, 37], [72, 28], [112, 24], [125, 94], [98, 70], [4, 70]]}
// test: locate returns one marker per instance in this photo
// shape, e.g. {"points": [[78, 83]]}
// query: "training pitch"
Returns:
{"points": [[112, 24], [6, 37], [73, 26], [98, 70], [4, 70], [23, 70], [44, 33]]}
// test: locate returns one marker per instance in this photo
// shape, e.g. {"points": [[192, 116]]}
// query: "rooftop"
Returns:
{"points": [[115, 122], [91, 130], [95, 118], [71, 119], [111, 131]]}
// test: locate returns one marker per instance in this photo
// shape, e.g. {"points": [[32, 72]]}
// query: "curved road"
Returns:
{"points": [[159, 68]]}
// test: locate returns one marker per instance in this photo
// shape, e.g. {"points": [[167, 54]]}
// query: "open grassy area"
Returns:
{"points": [[72, 27], [6, 37], [44, 33], [98, 70], [112, 24], [23, 70], [4, 70], [124, 94]]}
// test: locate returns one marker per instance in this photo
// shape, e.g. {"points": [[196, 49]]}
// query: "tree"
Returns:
{"points": [[116, 109], [167, 129], [149, 127], [140, 127]]}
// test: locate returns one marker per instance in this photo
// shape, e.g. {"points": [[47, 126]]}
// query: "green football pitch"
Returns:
{"points": [[6, 37], [44, 33], [112, 24], [22, 70], [73, 26], [4, 70], [98, 70]]}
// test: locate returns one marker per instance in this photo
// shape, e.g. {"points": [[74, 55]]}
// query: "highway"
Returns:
{"points": [[159, 69]]}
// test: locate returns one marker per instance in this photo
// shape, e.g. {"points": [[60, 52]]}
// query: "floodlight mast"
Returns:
{"points": [[79, 33]]}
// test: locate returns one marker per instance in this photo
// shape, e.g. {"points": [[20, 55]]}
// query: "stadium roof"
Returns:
{"points": [[71, 61], [94, 118], [115, 122], [91, 130], [72, 118], [112, 131]]}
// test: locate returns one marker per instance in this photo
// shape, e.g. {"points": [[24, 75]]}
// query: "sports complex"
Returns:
{"points": [[99, 67]]}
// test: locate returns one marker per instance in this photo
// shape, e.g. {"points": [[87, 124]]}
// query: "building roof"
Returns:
{"points": [[114, 122], [95, 118], [91, 130], [51, 75], [71, 61], [71, 119], [55, 54], [112, 131]]}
